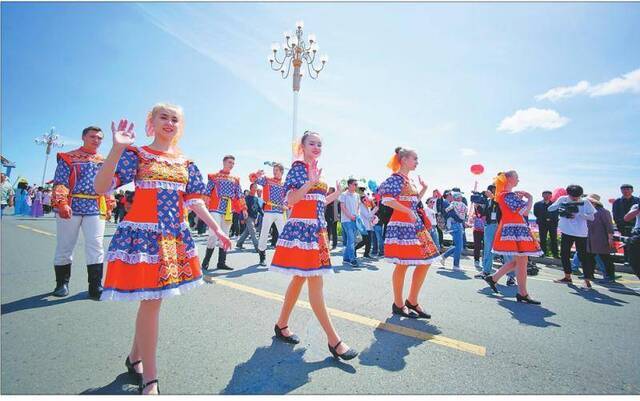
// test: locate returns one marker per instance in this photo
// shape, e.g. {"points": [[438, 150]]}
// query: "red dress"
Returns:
{"points": [[302, 246], [513, 235], [406, 242]]}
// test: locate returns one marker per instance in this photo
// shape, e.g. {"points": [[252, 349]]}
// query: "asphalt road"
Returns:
{"points": [[218, 339]]}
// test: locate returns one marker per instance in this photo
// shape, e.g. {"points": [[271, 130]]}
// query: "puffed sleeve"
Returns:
{"points": [[60, 190], [296, 177], [391, 187], [196, 189], [127, 167], [262, 181], [513, 202]]}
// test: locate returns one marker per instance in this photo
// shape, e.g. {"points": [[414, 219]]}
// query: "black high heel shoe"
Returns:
{"points": [[350, 354], [143, 386], [526, 299], [399, 311], [492, 284], [292, 339], [414, 308], [130, 368]]}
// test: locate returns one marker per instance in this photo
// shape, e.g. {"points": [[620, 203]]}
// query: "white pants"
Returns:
{"points": [[267, 220], [225, 226], [67, 236]]}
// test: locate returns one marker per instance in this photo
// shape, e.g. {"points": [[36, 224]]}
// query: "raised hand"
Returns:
{"points": [[123, 135], [260, 173], [314, 172], [422, 183], [338, 187]]}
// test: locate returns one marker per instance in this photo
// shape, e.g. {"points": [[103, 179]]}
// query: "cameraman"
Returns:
{"points": [[633, 244], [574, 213], [621, 207]]}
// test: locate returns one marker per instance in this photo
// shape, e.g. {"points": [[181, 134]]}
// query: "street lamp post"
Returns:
{"points": [[50, 139], [296, 52]]}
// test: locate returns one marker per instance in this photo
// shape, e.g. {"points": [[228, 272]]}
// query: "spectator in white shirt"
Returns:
{"points": [[432, 214], [574, 213], [367, 219], [350, 207]]}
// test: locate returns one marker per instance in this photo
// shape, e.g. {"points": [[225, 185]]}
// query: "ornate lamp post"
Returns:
{"points": [[51, 139], [296, 52]]}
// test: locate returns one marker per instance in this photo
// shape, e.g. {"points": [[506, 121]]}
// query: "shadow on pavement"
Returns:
{"points": [[277, 369], [39, 301], [388, 350], [457, 274], [532, 315], [124, 384], [339, 267], [237, 272], [594, 295]]}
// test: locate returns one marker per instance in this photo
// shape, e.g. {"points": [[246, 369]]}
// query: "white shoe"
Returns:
{"points": [[442, 261], [456, 268], [477, 264]]}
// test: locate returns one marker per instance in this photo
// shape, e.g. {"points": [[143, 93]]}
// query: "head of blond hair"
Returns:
{"points": [[157, 108]]}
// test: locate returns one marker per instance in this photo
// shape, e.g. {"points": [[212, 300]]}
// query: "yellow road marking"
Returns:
{"points": [[376, 324], [36, 230]]}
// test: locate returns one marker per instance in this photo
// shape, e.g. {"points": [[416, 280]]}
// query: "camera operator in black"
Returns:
{"points": [[574, 213], [632, 245], [621, 207], [547, 223]]}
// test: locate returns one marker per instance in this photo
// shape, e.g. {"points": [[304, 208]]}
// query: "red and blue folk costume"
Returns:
{"points": [[406, 242], [225, 194], [302, 249], [73, 183], [513, 235], [152, 254], [273, 193]]}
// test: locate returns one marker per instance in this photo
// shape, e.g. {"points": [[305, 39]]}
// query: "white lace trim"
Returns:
{"points": [[170, 160], [141, 257], [405, 198], [397, 241], [158, 184], [193, 201], [112, 295], [297, 244], [314, 197], [513, 253], [302, 273], [400, 224], [512, 238], [304, 221], [515, 225], [413, 262], [387, 199], [147, 226]]}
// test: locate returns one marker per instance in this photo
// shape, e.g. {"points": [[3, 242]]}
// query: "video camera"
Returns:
{"points": [[567, 210]]}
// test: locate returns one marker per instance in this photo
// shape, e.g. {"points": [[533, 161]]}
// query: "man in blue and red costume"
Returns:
{"points": [[225, 197], [79, 207], [274, 209]]}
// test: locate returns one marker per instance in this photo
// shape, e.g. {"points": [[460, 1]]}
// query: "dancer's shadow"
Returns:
{"points": [[39, 301], [339, 267], [532, 315], [277, 369], [123, 384], [237, 272], [594, 295], [457, 274], [389, 349]]}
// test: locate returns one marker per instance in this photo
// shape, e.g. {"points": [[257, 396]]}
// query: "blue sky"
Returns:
{"points": [[497, 84]]}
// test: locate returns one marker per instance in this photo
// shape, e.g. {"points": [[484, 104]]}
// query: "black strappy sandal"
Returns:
{"points": [[350, 354], [142, 387], [292, 339], [130, 368], [414, 308]]}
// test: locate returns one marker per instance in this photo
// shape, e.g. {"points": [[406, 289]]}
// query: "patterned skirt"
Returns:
{"points": [[409, 244], [302, 249], [515, 239], [144, 263]]}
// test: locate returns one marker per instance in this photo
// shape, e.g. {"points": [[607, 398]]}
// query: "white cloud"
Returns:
{"points": [[629, 82], [532, 118], [468, 152], [563, 92]]}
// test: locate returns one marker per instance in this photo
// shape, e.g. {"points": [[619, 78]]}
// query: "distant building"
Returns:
{"points": [[8, 165]]}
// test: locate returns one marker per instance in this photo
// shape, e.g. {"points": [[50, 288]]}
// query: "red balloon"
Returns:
{"points": [[558, 192], [477, 169]]}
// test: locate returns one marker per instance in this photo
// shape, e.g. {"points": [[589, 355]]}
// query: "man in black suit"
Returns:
{"points": [[547, 224]]}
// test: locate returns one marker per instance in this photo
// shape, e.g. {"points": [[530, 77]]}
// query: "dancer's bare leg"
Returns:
{"points": [[419, 275], [147, 324], [316, 299], [290, 299]]}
